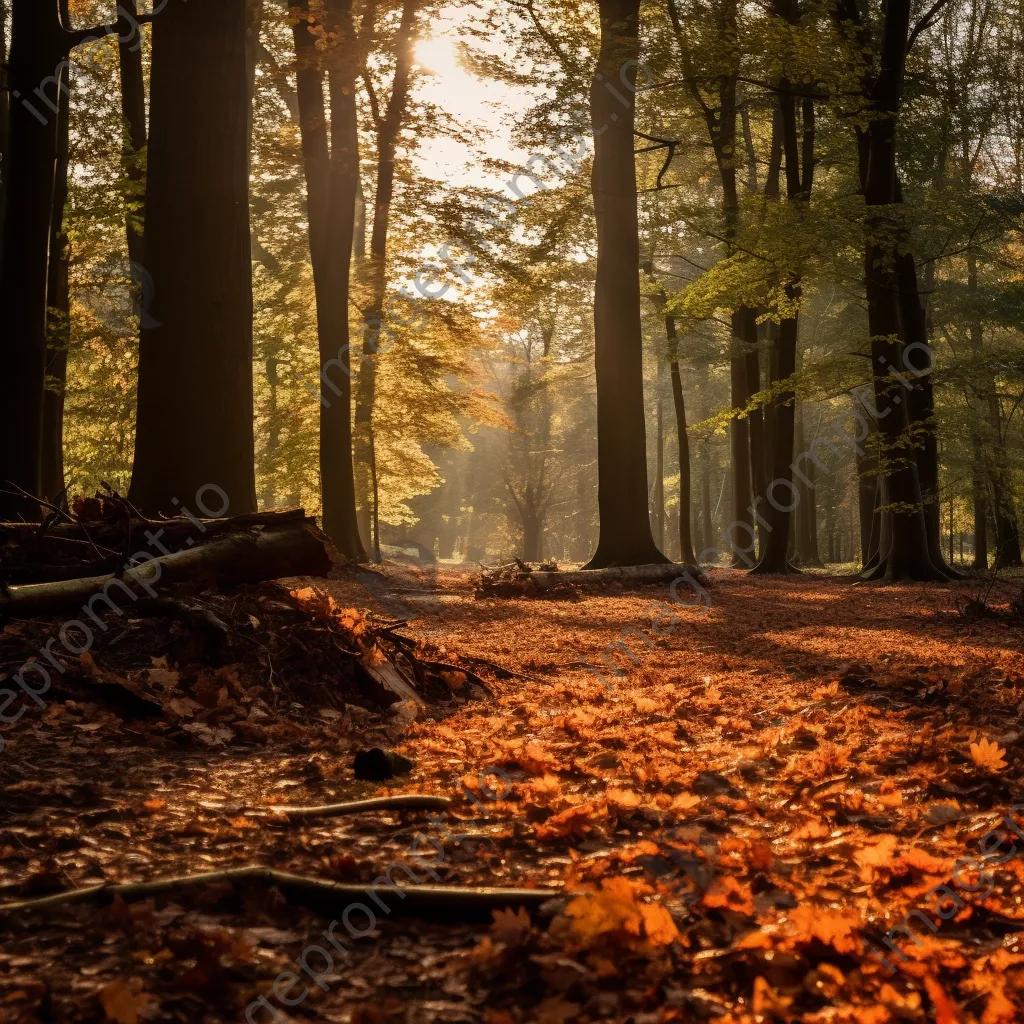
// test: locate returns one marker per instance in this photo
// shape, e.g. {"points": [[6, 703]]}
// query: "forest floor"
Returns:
{"points": [[738, 818]]}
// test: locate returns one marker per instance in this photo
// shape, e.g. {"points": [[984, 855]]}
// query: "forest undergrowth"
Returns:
{"points": [[740, 822]]}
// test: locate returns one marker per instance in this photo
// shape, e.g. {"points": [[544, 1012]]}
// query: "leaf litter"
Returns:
{"points": [[737, 820]]}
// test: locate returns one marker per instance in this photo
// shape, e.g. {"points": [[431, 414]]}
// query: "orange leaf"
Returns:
{"points": [[988, 755]]}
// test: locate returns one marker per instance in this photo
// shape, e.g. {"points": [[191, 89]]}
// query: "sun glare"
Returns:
{"points": [[437, 54]]}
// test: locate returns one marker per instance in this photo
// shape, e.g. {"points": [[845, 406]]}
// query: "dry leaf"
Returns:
{"points": [[122, 1001], [988, 755]]}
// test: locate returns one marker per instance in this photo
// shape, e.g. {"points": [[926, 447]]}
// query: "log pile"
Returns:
{"points": [[195, 643], [517, 579]]}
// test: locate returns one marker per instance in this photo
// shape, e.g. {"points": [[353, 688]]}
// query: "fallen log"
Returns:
{"points": [[251, 555], [625, 574], [433, 902], [400, 802], [520, 580]]}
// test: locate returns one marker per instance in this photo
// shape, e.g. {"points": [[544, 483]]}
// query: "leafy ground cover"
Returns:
{"points": [[738, 820]]}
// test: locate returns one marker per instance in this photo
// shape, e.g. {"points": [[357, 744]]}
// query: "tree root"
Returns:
{"points": [[444, 902], [400, 802]]}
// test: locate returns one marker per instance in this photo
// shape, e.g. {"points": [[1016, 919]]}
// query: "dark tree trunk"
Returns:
{"points": [[807, 510], [195, 412], [742, 535], [783, 497], [5, 119], [39, 46], [133, 146], [705, 499], [332, 181], [625, 525], [994, 461], [388, 126], [685, 538], [867, 504], [659, 472], [905, 556], [58, 327]]}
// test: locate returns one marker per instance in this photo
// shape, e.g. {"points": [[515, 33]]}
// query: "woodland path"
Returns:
{"points": [[787, 775]]}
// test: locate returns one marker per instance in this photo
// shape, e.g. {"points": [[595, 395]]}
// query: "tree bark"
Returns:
{"points": [[39, 47], [778, 512], [905, 556], [133, 146], [389, 125], [240, 556], [195, 403], [625, 526], [58, 312], [332, 181]]}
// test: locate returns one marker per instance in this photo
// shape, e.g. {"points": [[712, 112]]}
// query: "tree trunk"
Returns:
{"points": [[782, 411], [659, 472], [906, 554], [5, 120], [807, 510], [332, 181], [133, 146], [388, 128], [625, 525], [705, 499], [58, 327], [195, 404], [39, 46]]}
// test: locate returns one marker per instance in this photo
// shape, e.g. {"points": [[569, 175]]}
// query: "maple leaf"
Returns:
{"points": [[122, 1000], [988, 755], [612, 909], [768, 1002], [510, 927]]}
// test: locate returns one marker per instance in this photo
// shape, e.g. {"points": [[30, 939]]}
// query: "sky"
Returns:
{"points": [[473, 102]]}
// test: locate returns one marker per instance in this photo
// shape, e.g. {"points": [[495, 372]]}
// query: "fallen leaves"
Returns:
{"points": [[615, 913], [988, 756], [124, 1001]]}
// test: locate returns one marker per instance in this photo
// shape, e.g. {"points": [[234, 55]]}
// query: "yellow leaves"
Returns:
{"points": [[123, 1001], [730, 894], [614, 912], [988, 755], [836, 928], [879, 855]]}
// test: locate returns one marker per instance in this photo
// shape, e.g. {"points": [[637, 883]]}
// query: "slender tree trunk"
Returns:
{"points": [[388, 128], [625, 525], [784, 497], [39, 46], [195, 413], [685, 539], [659, 472], [133, 146], [705, 499], [807, 518], [332, 181], [58, 328]]}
